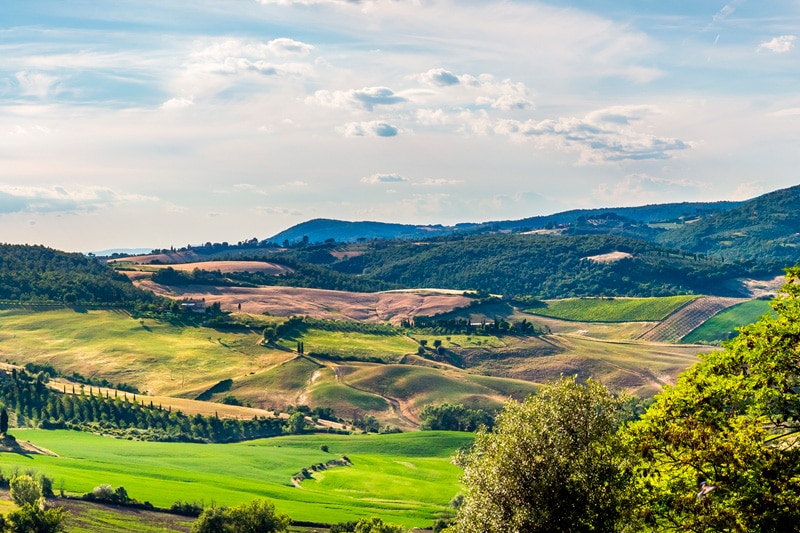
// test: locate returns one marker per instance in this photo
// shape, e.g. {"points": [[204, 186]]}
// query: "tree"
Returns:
{"points": [[211, 520], [3, 422], [33, 515], [36, 519], [553, 463], [296, 423], [732, 422], [376, 525], [257, 516]]}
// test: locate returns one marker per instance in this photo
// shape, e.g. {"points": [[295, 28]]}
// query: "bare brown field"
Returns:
{"points": [[318, 303], [227, 267], [168, 258], [609, 257]]}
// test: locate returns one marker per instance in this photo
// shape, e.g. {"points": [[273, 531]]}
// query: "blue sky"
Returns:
{"points": [[151, 124]]}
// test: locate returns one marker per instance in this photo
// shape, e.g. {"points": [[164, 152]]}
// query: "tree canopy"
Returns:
{"points": [[551, 464]]}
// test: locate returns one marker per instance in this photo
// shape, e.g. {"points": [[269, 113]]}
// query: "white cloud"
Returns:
{"points": [[440, 77], [18, 198], [505, 95], [366, 98], [778, 45], [375, 128], [437, 182], [605, 135], [383, 178], [177, 103]]}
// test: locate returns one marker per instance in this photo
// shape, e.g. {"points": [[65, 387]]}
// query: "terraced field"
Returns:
{"points": [[682, 322]]}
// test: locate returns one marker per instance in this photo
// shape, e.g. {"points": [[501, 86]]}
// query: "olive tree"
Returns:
{"points": [[552, 463]]}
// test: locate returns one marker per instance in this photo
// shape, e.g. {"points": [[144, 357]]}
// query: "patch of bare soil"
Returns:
{"points": [[167, 258], [609, 257], [318, 303], [758, 288], [229, 266], [12, 445]]}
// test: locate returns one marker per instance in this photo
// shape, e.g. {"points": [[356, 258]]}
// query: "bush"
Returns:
{"points": [[257, 516], [25, 490]]}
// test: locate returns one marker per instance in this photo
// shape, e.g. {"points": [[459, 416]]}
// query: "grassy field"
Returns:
{"points": [[722, 326], [404, 478], [353, 345], [612, 309], [154, 356]]}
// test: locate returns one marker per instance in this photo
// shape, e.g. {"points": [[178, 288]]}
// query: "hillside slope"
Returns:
{"points": [[764, 230]]}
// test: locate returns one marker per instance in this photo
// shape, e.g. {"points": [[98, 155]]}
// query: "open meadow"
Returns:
{"points": [[405, 478]]}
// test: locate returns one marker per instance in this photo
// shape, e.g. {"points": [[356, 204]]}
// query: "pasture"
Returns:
{"points": [[613, 309], [405, 478]]}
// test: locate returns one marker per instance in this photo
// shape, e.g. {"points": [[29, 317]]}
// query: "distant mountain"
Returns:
{"points": [[321, 229]]}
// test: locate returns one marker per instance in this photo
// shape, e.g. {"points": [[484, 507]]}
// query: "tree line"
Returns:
{"points": [[35, 404]]}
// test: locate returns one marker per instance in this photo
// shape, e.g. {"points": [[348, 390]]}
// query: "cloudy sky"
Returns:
{"points": [[157, 123]]}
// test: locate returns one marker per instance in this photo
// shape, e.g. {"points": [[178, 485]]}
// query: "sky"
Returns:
{"points": [[150, 124]]}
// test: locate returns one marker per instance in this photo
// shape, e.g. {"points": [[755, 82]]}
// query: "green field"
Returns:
{"points": [[404, 478], [613, 309], [722, 326]]}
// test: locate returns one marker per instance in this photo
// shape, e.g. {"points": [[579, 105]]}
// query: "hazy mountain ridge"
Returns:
{"points": [[320, 229]]}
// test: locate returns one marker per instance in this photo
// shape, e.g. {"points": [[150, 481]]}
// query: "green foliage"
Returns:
{"points": [[33, 515], [733, 422], [453, 417], [613, 309], [25, 490], [553, 463], [376, 525], [257, 516], [36, 274], [37, 405], [36, 519], [542, 266], [295, 424], [763, 230], [301, 274]]}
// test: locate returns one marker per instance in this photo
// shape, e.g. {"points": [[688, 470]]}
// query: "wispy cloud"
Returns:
{"points": [[36, 84], [383, 178]]}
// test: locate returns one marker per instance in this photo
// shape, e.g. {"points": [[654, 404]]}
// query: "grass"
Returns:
{"points": [[423, 385], [613, 309], [353, 345], [722, 326], [154, 356], [86, 517], [404, 478]]}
